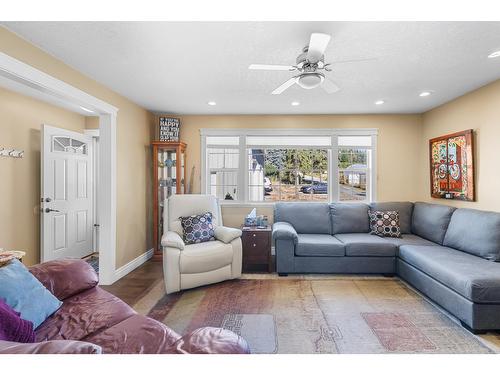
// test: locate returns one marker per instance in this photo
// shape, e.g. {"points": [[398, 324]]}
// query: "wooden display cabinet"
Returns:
{"points": [[169, 178]]}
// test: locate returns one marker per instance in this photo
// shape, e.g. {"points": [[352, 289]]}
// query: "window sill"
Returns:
{"points": [[225, 203], [228, 203]]}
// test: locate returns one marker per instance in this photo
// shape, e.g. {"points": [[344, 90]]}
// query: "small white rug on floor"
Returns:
{"points": [[251, 327]]}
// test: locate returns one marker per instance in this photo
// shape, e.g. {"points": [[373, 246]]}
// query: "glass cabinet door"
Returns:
{"points": [[170, 172], [182, 177]]}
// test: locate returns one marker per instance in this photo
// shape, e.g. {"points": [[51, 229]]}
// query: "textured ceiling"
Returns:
{"points": [[178, 67]]}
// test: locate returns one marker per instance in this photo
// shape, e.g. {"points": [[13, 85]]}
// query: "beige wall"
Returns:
{"points": [[20, 124], [478, 110], [133, 156], [398, 147]]}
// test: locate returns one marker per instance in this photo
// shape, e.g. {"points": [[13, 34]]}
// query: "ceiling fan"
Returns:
{"points": [[310, 64]]}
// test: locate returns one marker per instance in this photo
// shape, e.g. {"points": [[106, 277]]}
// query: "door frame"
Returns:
{"points": [[33, 82], [94, 133]]}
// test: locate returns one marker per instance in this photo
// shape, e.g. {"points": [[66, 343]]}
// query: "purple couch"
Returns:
{"points": [[92, 320]]}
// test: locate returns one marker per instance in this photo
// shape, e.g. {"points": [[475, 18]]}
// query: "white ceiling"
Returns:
{"points": [[177, 67]]}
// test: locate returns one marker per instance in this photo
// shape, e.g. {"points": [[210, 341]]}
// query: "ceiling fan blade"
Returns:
{"points": [[329, 86], [271, 67], [317, 46], [284, 86], [352, 61]]}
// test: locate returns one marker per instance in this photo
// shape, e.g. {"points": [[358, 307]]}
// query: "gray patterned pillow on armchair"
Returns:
{"points": [[197, 228]]}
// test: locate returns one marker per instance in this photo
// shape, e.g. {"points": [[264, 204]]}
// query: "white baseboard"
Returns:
{"points": [[133, 264]]}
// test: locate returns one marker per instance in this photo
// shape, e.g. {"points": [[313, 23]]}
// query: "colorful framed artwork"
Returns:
{"points": [[452, 166]]}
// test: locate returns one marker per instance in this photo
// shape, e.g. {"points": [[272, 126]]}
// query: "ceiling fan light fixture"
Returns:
{"points": [[310, 81]]}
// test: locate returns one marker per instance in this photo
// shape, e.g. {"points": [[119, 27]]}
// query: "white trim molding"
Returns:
{"points": [[35, 83], [287, 131], [92, 132], [133, 264]]}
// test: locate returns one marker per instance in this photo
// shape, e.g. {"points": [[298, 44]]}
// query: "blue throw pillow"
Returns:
{"points": [[25, 294]]}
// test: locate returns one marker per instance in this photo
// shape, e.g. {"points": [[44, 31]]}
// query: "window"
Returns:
{"points": [[289, 165], [223, 167], [69, 145], [353, 171], [293, 174]]}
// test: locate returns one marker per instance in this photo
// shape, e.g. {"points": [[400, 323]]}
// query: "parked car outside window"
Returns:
{"points": [[316, 188]]}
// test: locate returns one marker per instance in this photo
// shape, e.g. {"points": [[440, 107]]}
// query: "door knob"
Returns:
{"points": [[47, 210], [48, 200]]}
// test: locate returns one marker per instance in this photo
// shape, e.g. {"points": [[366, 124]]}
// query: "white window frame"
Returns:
{"points": [[333, 169]]}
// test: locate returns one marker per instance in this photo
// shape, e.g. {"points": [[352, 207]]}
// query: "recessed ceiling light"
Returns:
{"points": [[295, 103], [86, 109], [494, 54], [379, 102], [425, 93], [212, 103]]}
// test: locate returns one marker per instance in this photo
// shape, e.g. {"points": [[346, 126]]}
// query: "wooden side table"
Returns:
{"points": [[257, 249]]}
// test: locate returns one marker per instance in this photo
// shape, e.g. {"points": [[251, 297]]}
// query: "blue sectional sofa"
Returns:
{"points": [[450, 255]]}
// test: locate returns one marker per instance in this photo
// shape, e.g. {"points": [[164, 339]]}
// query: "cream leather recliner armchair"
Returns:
{"points": [[189, 266]]}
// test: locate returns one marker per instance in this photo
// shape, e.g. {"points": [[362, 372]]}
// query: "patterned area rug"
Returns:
{"points": [[315, 315]]}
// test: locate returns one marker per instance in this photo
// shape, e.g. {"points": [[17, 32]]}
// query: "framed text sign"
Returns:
{"points": [[452, 166], [168, 129]]}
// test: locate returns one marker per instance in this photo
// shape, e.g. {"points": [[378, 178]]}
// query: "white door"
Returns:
{"points": [[66, 201]]}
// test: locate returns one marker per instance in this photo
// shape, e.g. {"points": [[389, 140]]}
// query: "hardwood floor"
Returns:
{"points": [[138, 282]]}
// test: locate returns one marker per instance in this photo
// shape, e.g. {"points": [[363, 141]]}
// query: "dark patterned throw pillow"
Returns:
{"points": [[197, 228], [385, 223]]}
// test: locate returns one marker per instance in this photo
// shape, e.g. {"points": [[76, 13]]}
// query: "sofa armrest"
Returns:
{"points": [[226, 234], [210, 340], [284, 231], [50, 347], [172, 239], [65, 277]]}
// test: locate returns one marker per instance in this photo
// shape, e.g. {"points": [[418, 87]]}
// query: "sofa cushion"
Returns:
{"points": [[83, 314], [475, 232], [319, 245], [409, 239], [135, 335], [206, 256], [65, 277], [385, 223], [431, 221], [349, 218], [405, 210], [365, 244], [470, 276], [312, 218], [50, 347]]}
